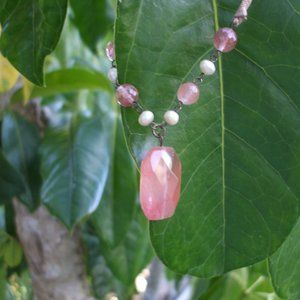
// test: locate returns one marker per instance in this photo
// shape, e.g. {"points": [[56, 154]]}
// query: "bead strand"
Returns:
{"points": [[188, 93]]}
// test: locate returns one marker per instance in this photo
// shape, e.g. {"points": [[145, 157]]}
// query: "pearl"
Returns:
{"points": [[146, 118], [127, 94], [188, 93], [110, 51], [207, 67], [225, 39], [171, 117], [113, 75]]}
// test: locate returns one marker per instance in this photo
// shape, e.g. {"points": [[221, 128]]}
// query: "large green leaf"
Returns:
{"points": [[239, 145], [30, 31], [92, 18], [20, 142], [75, 165], [70, 80], [133, 254], [11, 183], [67, 81], [114, 214], [284, 267]]}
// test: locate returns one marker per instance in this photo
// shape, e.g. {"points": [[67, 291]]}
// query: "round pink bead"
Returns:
{"points": [[188, 93], [225, 39], [110, 51], [127, 94]]}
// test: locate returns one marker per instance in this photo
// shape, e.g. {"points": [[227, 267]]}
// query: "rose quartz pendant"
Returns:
{"points": [[160, 183], [225, 39]]}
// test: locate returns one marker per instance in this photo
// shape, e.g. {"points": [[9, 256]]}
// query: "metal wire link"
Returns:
{"points": [[200, 78], [178, 106], [137, 107], [214, 56], [159, 131]]}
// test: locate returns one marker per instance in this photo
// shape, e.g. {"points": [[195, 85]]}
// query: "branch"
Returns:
{"points": [[242, 13]]}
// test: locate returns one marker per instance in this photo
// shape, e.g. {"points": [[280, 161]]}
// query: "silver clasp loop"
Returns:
{"points": [[159, 131]]}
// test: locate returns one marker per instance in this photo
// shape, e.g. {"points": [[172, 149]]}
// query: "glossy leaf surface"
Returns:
{"points": [[20, 143], [115, 212], [75, 165], [239, 145], [30, 31]]}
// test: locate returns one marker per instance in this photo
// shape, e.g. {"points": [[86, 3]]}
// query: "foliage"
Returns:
{"points": [[239, 145]]}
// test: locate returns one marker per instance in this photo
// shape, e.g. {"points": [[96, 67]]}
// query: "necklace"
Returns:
{"points": [[160, 181]]}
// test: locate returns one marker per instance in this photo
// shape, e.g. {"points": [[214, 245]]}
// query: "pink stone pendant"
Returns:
{"points": [[160, 183]]}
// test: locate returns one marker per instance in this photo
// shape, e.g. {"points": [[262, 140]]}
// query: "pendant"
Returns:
{"points": [[160, 183]]}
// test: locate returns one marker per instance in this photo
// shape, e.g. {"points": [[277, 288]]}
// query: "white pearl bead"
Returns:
{"points": [[207, 67], [171, 117], [146, 118], [113, 75]]}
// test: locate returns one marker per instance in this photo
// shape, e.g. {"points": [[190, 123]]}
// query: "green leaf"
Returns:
{"points": [[4, 239], [2, 279], [242, 284], [67, 81], [103, 281], [75, 165], [102, 278], [70, 80], [93, 18], [13, 253], [11, 183], [284, 267], [115, 212], [128, 259], [20, 142], [30, 31], [238, 146]]}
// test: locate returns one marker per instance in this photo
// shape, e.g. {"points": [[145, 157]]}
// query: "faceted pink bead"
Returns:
{"points": [[160, 183], [110, 51], [188, 93], [225, 39], [126, 94]]}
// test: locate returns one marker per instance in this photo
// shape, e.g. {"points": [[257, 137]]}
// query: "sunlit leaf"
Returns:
{"points": [[8, 75]]}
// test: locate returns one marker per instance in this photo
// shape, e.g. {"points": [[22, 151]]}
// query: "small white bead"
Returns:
{"points": [[171, 117], [207, 67], [146, 118], [113, 75]]}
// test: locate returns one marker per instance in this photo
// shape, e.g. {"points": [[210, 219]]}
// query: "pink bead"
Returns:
{"points": [[225, 39], [188, 93], [160, 183], [110, 51], [126, 94]]}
